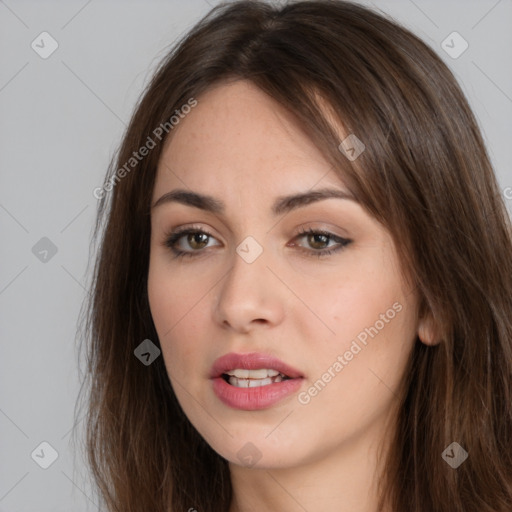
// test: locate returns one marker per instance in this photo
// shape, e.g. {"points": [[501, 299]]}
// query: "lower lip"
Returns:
{"points": [[251, 399]]}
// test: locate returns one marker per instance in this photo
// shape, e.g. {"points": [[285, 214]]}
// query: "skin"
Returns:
{"points": [[241, 147]]}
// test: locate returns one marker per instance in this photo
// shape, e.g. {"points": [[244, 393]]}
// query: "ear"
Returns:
{"points": [[427, 331]]}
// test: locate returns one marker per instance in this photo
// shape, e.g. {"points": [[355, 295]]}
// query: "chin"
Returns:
{"points": [[253, 450]]}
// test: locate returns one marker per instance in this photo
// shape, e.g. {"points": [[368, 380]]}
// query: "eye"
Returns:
{"points": [[317, 239], [197, 240]]}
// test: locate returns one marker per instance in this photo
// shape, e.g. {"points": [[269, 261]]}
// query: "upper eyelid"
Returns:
{"points": [[319, 225], [303, 230]]}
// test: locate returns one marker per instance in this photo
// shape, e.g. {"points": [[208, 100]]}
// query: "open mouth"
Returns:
{"points": [[243, 378], [253, 381]]}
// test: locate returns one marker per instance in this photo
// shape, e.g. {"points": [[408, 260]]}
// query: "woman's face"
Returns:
{"points": [[331, 311]]}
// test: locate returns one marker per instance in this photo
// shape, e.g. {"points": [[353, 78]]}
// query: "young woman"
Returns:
{"points": [[303, 294]]}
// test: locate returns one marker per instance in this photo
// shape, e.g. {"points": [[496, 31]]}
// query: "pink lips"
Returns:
{"points": [[258, 397]]}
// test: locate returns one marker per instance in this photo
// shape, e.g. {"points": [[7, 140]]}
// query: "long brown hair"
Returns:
{"points": [[425, 174]]}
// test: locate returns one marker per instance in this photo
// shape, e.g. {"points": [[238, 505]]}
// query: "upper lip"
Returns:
{"points": [[251, 361]]}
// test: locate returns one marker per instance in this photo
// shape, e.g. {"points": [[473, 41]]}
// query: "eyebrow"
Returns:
{"points": [[282, 204]]}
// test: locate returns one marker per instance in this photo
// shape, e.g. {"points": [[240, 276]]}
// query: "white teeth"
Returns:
{"points": [[252, 374], [249, 383], [242, 378]]}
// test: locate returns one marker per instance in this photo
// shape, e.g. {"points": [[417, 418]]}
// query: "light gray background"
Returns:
{"points": [[61, 120]]}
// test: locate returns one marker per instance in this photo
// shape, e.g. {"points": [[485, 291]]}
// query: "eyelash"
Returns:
{"points": [[174, 236]]}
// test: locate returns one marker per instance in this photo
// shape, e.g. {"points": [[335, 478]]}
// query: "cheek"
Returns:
{"points": [[348, 303], [178, 310], [369, 320], [171, 295], [374, 341], [165, 304]]}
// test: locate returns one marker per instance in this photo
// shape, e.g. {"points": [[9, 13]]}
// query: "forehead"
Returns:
{"points": [[238, 136]]}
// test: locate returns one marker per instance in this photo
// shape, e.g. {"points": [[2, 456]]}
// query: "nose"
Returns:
{"points": [[250, 295]]}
